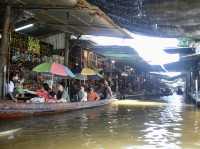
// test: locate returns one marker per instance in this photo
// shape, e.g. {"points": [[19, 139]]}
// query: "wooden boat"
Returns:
{"points": [[13, 110]]}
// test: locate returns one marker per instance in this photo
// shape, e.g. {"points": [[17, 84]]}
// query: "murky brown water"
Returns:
{"points": [[135, 126]]}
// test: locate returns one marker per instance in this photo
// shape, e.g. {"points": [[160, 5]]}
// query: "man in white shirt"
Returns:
{"points": [[11, 87]]}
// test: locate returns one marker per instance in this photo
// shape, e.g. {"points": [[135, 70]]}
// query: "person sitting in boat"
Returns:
{"points": [[52, 91], [107, 92], [19, 91], [42, 94], [10, 87], [74, 89], [92, 95], [62, 94], [82, 94]]}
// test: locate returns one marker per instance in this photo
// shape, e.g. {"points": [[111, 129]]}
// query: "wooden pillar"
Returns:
{"points": [[187, 83], [66, 55], [4, 50], [66, 59]]}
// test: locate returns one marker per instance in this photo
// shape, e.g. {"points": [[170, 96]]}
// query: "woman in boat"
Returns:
{"points": [[107, 92], [82, 94], [19, 91], [92, 95], [52, 91], [74, 89], [62, 94], [42, 94], [11, 86]]}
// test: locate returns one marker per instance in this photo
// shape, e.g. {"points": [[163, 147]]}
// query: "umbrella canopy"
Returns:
{"points": [[91, 77], [95, 77], [54, 68], [80, 77], [88, 72]]}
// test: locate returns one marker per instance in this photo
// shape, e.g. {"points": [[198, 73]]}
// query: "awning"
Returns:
{"points": [[186, 63], [119, 53], [185, 50]]}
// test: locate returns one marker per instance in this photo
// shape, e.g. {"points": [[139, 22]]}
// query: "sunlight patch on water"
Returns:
{"points": [[168, 146], [138, 103], [9, 133]]}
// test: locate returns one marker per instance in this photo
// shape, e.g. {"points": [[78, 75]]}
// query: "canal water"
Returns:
{"points": [[133, 125]]}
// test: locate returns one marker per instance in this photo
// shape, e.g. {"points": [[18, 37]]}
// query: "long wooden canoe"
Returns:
{"points": [[19, 110]]}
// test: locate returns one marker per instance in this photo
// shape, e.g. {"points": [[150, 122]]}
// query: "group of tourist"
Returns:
{"points": [[58, 92]]}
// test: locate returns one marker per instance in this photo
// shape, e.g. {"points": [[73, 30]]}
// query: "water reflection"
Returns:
{"points": [[169, 126]]}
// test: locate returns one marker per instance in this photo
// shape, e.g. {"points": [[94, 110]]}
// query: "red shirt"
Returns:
{"points": [[92, 96], [42, 93]]}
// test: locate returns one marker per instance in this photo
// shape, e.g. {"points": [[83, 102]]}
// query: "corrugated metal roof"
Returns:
{"points": [[73, 16], [167, 18]]}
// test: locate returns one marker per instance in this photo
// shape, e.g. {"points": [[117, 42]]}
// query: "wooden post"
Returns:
{"points": [[196, 90], [66, 58], [66, 54], [4, 50]]}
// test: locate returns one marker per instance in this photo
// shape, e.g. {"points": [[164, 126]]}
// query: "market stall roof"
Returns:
{"points": [[128, 55], [166, 18], [166, 77], [184, 50], [186, 63], [119, 53], [157, 68], [72, 16], [87, 44], [181, 66]]}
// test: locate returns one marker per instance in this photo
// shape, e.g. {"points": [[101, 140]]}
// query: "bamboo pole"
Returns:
{"points": [[4, 50]]}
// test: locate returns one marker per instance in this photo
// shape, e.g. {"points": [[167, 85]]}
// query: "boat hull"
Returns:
{"points": [[19, 110]]}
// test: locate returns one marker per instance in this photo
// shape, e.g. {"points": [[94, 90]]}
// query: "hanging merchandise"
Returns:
{"points": [[45, 49], [26, 52], [19, 42], [33, 45]]}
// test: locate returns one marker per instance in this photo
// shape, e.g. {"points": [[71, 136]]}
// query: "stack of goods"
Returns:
{"points": [[28, 51], [25, 53]]}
